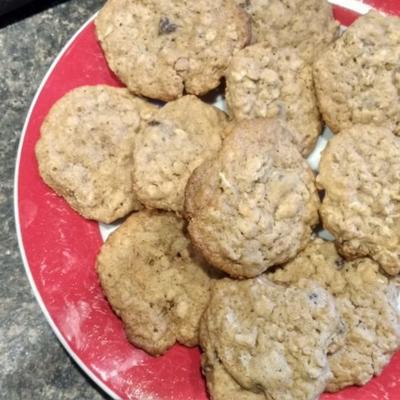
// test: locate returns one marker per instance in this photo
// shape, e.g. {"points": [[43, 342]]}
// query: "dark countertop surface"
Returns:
{"points": [[33, 363]]}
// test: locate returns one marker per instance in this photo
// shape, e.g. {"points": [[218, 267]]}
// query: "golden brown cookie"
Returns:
{"points": [[177, 140], [307, 25], [366, 301], [85, 150], [271, 339], [358, 78], [254, 205], [359, 172], [154, 281], [262, 82], [161, 48]]}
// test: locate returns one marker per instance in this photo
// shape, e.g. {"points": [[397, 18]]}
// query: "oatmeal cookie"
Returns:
{"points": [[154, 281], [85, 150], [307, 25], [221, 385], [161, 48], [271, 339], [359, 171], [181, 136], [262, 82], [254, 204], [366, 301], [358, 78]]}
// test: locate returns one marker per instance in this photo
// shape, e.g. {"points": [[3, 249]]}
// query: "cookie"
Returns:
{"points": [[254, 205], [307, 25], [359, 172], [221, 385], [160, 49], [271, 339], [181, 136], [154, 281], [85, 150], [358, 78], [262, 82], [367, 303]]}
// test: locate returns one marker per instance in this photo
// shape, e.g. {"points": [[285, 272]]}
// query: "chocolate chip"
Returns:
{"points": [[153, 123], [313, 297], [339, 262], [166, 26]]}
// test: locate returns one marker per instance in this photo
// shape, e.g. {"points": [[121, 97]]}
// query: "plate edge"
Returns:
{"points": [[353, 5], [25, 262]]}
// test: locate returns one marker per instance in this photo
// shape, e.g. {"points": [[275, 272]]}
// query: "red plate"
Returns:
{"points": [[59, 248]]}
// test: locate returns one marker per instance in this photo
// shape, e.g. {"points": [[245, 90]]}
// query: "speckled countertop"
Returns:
{"points": [[33, 363]]}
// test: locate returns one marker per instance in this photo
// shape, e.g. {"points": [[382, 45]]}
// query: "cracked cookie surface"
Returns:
{"points": [[307, 25], [359, 171], [366, 301], [160, 49], [85, 150], [254, 205], [358, 78], [181, 136], [262, 82], [272, 340], [154, 281]]}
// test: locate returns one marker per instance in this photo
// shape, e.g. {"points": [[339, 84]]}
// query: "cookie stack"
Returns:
{"points": [[219, 244]]}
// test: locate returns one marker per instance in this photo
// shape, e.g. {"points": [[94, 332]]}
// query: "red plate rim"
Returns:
{"points": [[355, 7], [36, 293]]}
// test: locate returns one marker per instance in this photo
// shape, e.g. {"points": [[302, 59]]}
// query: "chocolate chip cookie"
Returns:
{"points": [[307, 25], [358, 78], [272, 340], [367, 304], [85, 150], [254, 205], [262, 82], [154, 281], [359, 172], [181, 136], [160, 49]]}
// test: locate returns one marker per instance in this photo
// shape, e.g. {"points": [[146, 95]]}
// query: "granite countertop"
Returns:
{"points": [[33, 363]]}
